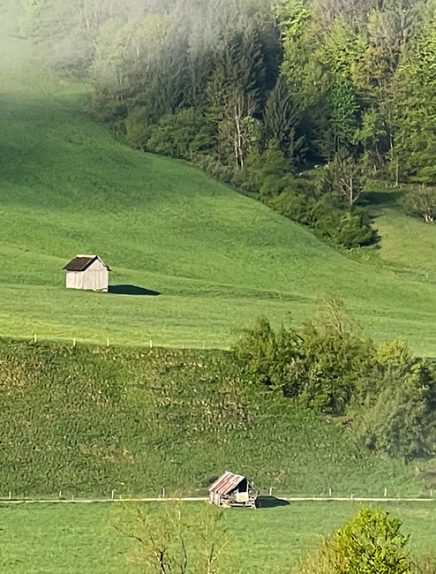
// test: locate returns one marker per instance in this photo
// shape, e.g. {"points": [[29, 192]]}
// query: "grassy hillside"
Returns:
{"points": [[407, 244], [217, 259], [79, 539], [89, 420]]}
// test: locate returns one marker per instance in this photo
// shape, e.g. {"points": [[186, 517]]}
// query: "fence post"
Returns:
{"points": [[270, 490], [107, 343], [151, 344], [113, 494], [163, 492], [330, 491], [35, 338], [74, 341], [386, 492]]}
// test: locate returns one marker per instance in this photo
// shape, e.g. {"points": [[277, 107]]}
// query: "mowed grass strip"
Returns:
{"points": [[69, 539], [217, 259]]}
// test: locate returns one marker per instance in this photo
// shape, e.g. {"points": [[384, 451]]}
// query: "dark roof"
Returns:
{"points": [[82, 262], [226, 483]]}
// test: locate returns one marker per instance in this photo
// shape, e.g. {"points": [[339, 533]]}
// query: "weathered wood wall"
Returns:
{"points": [[95, 278]]}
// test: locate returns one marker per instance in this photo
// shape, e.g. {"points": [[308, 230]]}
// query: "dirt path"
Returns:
{"points": [[203, 499]]}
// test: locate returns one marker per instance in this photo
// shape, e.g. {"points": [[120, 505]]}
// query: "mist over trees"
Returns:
{"points": [[259, 91]]}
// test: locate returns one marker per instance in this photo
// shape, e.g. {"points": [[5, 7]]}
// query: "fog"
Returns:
{"points": [[65, 34]]}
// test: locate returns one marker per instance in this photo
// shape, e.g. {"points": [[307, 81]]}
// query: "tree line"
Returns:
{"points": [[259, 93]]}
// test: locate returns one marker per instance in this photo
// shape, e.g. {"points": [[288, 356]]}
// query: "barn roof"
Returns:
{"points": [[82, 262], [226, 483]]}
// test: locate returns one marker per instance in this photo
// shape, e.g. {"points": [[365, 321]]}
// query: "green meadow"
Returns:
{"points": [[73, 539], [89, 420], [217, 259]]}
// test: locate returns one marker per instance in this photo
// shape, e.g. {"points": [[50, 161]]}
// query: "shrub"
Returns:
{"points": [[320, 365], [301, 203], [266, 356], [371, 543], [421, 202], [347, 229], [184, 134], [397, 415], [138, 128]]}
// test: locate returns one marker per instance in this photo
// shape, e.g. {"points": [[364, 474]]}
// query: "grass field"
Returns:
{"points": [[217, 259], [80, 539], [89, 420], [407, 244]]}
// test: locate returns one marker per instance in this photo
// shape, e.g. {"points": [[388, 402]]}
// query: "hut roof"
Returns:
{"points": [[226, 483], [82, 262]]}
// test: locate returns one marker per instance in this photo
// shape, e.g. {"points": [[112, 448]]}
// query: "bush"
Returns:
{"points": [[371, 543], [138, 128], [184, 134], [320, 365], [334, 366], [397, 416], [212, 166], [326, 366], [344, 228], [421, 202], [266, 356], [349, 229]]}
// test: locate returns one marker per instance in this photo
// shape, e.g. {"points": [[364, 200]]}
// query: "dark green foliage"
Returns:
{"points": [[389, 394], [398, 410], [273, 172], [185, 134], [265, 356], [311, 203], [335, 361], [344, 114], [320, 364], [282, 118], [349, 230], [315, 83]]}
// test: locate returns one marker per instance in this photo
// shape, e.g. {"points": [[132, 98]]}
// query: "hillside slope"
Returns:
{"points": [[217, 259], [407, 244], [89, 420]]}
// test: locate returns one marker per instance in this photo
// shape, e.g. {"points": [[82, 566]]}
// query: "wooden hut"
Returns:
{"points": [[231, 490], [87, 272]]}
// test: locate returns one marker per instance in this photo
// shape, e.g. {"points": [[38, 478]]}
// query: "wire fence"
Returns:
{"points": [[141, 343], [66, 496]]}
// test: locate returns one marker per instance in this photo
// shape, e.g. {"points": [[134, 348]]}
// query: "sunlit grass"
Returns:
{"points": [[217, 259], [80, 539]]}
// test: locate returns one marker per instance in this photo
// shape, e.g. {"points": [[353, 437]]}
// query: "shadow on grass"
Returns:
{"points": [[271, 502], [132, 290], [383, 198]]}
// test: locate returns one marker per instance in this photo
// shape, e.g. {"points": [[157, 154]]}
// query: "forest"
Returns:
{"points": [[299, 103]]}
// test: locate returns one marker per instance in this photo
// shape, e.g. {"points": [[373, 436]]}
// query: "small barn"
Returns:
{"points": [[87, 272], [231, 490]]}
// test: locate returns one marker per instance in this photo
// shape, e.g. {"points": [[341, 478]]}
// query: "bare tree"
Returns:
{"points": [[348, 178], [168, 542]]}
